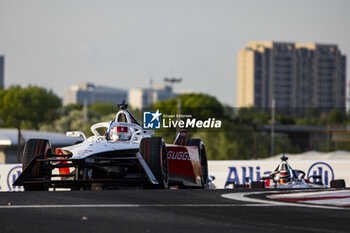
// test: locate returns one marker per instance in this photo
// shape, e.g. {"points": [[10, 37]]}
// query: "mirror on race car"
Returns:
{"points": [[76, 134]]}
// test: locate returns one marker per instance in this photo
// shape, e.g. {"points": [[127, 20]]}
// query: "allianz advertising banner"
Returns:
{"points": [[8, 175], [227, 171]]}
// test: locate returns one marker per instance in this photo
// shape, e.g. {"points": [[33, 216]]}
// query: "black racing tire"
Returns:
{"points": [[153, 151], [257, 185], [32, 148], [339, 184], [202, 156], [204, 161]]}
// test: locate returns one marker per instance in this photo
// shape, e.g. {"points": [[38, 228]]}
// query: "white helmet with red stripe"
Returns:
{"points": [[120, 132]]}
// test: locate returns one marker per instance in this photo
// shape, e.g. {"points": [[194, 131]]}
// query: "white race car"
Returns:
{"points": [[120, 154], [286, 177]]}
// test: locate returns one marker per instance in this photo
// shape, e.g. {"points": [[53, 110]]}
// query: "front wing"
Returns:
{"points": [[61, 171]]}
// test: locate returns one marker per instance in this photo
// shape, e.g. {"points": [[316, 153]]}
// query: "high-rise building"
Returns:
{"points": [[296, 75], [88, 93], [2, 72]]}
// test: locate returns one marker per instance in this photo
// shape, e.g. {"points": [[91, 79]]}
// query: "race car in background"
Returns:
{"points": [[286, 177], [124, 156]]}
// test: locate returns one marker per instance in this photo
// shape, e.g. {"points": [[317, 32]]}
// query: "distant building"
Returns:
{"points": [[140, 97], [143, 97], [162, 92], [89, 93], [296, 75], [2, 72]]}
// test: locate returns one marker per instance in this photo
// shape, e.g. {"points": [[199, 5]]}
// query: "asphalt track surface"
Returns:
{"points": [[160, 211]]}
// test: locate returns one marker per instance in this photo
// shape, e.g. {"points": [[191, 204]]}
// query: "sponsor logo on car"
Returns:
{"points": [[179, 155]]}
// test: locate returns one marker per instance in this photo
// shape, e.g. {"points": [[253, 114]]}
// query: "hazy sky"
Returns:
{"points": [[59, 43]]}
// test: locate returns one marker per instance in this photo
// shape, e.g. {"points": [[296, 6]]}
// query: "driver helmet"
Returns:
{"points": [[284, 176], [120, 133]]}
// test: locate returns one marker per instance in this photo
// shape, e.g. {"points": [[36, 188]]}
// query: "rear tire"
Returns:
{"points": [[202, 157], [338, 184], [153, 151], [32, 148], [257, 185]]}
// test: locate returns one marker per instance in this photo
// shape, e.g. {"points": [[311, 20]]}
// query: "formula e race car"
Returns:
{"points": [[124, 156], [286, 177]]}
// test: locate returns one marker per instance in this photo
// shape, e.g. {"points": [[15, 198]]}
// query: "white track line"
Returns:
{"points": [[244, 197], [124, 206]]}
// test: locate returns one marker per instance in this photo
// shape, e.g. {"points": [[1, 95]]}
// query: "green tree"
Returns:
{"points": [[336, 117], [30, 106], [103, 108], [313, 117], [65, 110], [72, 118], [200, 106], [74, 121]]}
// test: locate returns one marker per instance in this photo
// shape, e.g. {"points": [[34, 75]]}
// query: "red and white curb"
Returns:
{"points": [[340, 198], [276, 198]]}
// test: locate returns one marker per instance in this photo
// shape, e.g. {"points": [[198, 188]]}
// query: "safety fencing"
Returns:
{"points": [[228, 171]]}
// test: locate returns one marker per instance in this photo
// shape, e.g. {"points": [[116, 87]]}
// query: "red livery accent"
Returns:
{"points": [[122, 129], [183, 160], [62, 170]]}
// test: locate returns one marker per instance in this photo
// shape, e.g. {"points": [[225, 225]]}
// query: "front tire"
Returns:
{"points": [[32, 148], [153, 151]]}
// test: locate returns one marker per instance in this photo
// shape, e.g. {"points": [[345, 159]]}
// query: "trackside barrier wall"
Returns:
{"points": [[8, 175], [226, 171]]}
